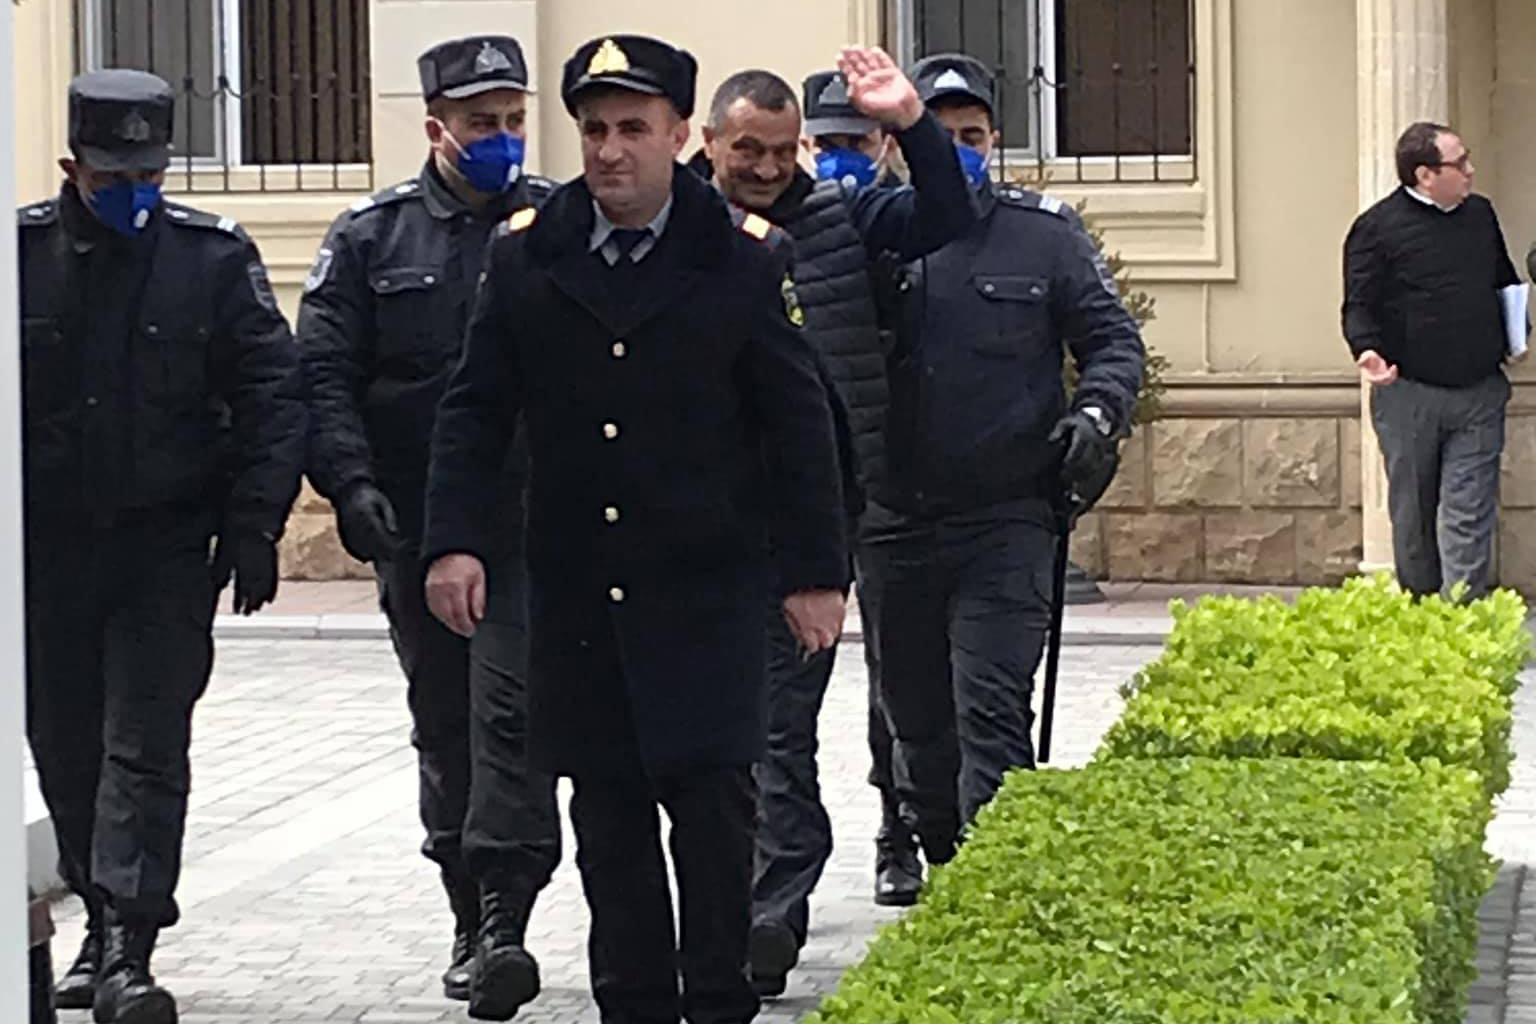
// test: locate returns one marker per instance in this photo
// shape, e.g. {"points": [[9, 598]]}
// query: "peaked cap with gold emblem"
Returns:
{"points": [[637, 63]]}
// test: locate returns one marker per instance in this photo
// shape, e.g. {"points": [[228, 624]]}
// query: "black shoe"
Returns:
{"points": [[772, 951], [898, 877], [76, 990], [464, 898], [898, 872], [505, 976], [127, 993]]}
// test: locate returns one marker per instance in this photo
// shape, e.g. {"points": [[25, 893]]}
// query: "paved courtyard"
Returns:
{"points": [[305, 899]]}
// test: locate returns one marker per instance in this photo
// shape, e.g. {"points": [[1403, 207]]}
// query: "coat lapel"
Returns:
{"points": [[671, 271]]}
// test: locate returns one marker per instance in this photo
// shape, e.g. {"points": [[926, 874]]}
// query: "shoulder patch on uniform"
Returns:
{"points": [[320, 270], [522, 219], [758, 227], [261, 285], [38, 214]]}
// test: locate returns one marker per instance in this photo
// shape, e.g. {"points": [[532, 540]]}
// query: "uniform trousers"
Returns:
{"points": [[963, 605], [488, 814], [119, 649]]}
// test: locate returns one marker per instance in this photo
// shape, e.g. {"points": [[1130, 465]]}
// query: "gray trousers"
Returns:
{"points": [[1442, 447]]}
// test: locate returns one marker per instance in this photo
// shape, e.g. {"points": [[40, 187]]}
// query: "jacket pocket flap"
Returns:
{"points": [[1011, 287], [392, 280]]}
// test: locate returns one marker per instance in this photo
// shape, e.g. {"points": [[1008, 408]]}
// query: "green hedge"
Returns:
{"points": [[1189, 890], [1362, 672]]}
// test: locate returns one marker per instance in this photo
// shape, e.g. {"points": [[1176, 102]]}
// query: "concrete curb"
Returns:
{"points": [[1078, 631]]}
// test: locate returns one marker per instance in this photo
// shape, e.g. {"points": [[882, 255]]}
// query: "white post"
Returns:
{"points": [[13, 829]]}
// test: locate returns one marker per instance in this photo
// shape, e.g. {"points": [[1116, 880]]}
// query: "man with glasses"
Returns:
{"points": [[1423, 269]]}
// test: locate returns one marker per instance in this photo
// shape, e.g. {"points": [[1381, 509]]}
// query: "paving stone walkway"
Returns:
{"points": [[305, 900]]}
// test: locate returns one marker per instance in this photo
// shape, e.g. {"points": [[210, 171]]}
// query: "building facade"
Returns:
{"points": [[1223, 146]]}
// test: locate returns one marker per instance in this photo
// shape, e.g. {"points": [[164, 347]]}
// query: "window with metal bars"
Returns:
{"points": [[1087, 89], [270, 94]]}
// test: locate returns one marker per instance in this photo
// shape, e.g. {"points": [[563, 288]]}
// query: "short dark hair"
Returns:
{"points": [[1418, 146], [957, 101], [766, 90]]}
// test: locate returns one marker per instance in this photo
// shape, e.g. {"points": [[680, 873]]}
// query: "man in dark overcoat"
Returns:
{"points": [[673, 414]]}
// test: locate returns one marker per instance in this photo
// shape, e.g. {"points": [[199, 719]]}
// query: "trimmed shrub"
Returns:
{"points": [[1362, 672], [1190, 890]]}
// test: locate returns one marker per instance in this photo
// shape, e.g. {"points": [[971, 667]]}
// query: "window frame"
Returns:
{"points": [[227, 169], [1039, 151]]}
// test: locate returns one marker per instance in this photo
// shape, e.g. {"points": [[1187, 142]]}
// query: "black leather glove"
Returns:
{"points": [[252, 560], [1090, 457], [366, 521]]}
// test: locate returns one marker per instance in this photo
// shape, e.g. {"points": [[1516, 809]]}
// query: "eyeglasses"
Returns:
{"points": [[1461, 163]]}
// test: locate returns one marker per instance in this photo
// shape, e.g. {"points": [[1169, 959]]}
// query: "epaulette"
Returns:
{"points": [[388, 196], [38, 214], [1028, 200], [521, 219], [757, 227], [539, 188], [187, 217]]}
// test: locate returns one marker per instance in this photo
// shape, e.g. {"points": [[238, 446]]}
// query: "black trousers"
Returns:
{"points": [[963, 608], [487, 814], [794, 832], [878, 726], [634, 949], [119, 649]]}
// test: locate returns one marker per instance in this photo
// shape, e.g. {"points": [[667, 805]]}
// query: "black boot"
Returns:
{"points": [[464, 898], [898, 872], [772, 951], [76, 990], [127, 993], [505, 975]]}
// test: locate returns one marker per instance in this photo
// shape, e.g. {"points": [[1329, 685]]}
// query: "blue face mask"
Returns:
{"points": [[125, 206], [492, 164], [854, 169], [973, 163]]}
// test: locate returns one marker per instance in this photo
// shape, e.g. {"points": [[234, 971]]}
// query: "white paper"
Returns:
{"points": [[1515, 300]]}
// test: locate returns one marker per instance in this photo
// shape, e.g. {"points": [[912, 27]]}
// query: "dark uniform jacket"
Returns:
{"points": [[159, 374], [381, 327], [1421, 287], [650, 393], [976, 372]]}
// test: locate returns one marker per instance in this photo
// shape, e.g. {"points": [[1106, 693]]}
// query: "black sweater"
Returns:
{"points": [[1421, 288]]}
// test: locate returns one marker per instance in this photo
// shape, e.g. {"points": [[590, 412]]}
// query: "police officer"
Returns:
{"points": [[380, 328], [163, 416], [839, 225], [651, 344], [982, 446]]}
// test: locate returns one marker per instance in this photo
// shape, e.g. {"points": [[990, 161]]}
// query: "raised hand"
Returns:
{"points": [[878, 88]]}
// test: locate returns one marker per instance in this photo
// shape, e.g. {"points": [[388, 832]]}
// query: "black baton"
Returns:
{"points": [[1053, 643]]}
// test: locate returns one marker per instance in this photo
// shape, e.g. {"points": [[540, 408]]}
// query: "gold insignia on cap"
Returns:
{"points": [[523, 219], [756, 226], [792, 308], [609, 59]]}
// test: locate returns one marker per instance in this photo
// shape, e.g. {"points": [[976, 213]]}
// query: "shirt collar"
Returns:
{"points": [[1421, 197], [603, 228]]}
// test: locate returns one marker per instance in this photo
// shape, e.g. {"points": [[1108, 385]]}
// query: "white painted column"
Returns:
{"points": [[13, 845], [1403, 67]]}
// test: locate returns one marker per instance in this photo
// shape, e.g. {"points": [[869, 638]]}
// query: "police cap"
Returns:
{"points": [[829, 110], [637, 63], [120, 120], [472, 65], [954, 74]]}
